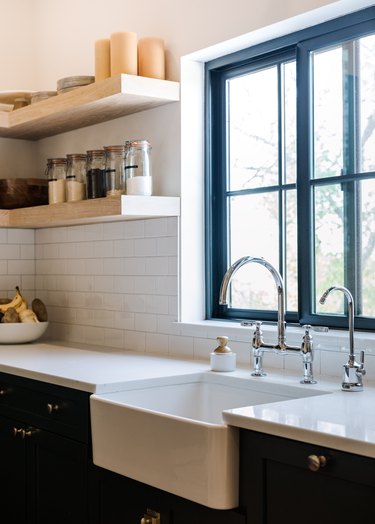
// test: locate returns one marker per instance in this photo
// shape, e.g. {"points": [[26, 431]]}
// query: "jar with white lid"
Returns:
{"points": [[76, 177], [56, 173], [138, 168]]}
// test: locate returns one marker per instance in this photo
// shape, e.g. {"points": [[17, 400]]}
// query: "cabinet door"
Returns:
{"points": [[57, 478], [12, 472], [125, 501], [277, 484]]}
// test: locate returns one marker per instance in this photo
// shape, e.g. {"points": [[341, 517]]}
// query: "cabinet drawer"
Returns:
{"points": [[54, 408]]}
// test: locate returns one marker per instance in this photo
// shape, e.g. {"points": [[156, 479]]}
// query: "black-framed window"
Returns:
{"points": [[290, 173]]}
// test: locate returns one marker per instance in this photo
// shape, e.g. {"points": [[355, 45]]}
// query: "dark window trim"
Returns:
{"points": [[217, 72]]}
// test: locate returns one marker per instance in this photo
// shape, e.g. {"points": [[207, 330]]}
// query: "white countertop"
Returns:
{"points": [[338, 419], [88, 370]]}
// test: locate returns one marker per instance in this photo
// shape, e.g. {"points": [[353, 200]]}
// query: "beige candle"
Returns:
{"points": [[102, 59], [151, 57], [124, 53]]}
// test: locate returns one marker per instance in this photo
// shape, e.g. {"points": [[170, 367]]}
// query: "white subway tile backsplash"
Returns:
{"points": [[155, 227], [20, 236], [146, 322], [116, 285], [28, 252], [10, 251], [181, 346], [145, 247], [21, 267], [157, 343], [134, 340], [123, 248]]}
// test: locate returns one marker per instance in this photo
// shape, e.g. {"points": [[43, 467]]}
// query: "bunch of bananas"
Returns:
{"points": [[17, 310]]}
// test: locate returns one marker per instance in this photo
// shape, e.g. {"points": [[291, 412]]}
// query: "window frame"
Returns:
{"points": [[300, 45]]}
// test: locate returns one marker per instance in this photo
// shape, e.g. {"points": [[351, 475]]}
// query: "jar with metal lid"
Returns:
{"points": [[115, 170], [76, 177], [56, 173], [138, 168], [95, 174]]}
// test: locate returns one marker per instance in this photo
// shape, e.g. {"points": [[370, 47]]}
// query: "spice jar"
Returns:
{"points": [[76, 177], [95, 174], [56, 173], [114, 170], [138, 168]]}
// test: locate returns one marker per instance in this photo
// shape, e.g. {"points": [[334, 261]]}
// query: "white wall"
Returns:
{"points": [[44, 40], [116, 284]]}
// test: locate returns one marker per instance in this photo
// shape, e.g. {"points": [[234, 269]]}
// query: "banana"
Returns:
{"points": [[18, 303]]}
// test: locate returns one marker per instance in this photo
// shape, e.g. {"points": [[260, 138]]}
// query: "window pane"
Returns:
{"points": [[254, 231], [291, 283], [329, 246], [290, 129], [368, 248], [328, 113], [367, 108], [253, 130]]}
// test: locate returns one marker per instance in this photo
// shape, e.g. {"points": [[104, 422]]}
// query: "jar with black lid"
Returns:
{"points": [[95, 174]]}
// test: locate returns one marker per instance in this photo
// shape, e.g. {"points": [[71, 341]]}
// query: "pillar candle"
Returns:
{"points": [[151, 57], [102, 59], [124, 53]]}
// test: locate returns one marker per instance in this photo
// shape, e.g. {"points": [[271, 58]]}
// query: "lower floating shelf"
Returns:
{"points": [[110, 209]]}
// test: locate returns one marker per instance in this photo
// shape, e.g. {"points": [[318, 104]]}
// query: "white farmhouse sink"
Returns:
{"points": [[169, 432]]}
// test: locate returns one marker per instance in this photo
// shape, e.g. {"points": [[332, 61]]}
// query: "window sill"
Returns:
{"points": [[333, 340]]}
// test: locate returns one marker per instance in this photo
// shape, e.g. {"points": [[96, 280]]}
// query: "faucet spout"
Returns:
{"points": [[258, 344], [279, 285], [353, 372], [350, 300]]}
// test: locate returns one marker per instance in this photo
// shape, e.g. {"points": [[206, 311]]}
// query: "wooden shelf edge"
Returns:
{"points": [[98, 102], [110, 209]]}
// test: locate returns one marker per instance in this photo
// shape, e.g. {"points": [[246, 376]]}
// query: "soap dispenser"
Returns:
{"points": [[222, 358]]}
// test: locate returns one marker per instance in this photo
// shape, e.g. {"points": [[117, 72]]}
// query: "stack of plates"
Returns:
{"points": [[42, 95], [72, 82]]}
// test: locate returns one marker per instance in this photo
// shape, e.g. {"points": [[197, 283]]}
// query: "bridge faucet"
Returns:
{"points": [[258, 344], [352, 371]]}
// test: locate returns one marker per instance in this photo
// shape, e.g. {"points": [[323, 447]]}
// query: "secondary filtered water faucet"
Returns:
{"points": [[352, 371], [258, 344]]}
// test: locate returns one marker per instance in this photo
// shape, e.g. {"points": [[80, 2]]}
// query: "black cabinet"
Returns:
{"points": [[277, 484], [124, 501], [44, 452]]}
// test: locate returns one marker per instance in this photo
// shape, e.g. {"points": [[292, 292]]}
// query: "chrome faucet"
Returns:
{"points": [[352, 371], [258, 344]]}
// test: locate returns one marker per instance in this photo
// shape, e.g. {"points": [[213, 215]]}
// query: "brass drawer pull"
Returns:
{"points": [[19, 431], [2, 392], [316, 462], [52, 408]]}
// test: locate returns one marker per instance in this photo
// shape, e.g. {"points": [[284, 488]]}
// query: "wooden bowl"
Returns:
{"points": [[23, 192]]}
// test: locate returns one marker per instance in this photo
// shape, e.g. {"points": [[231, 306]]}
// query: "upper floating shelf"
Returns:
{"points": [[111, 98]]}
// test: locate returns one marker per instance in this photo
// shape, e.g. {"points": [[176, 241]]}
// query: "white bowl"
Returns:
{"points": [[19, 333]]}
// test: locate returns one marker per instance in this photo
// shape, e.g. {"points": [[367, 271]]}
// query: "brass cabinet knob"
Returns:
{"points": [[19, 431], [2, 391], [52, 408], [315, 462]]}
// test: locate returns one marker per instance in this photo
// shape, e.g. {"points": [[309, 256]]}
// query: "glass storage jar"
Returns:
{"points": [[76, 177], [138, 168], [95, 174], [114, 170], [56, 174]]}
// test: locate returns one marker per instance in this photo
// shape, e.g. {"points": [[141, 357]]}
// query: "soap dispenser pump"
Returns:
{"points": [[222, 358]]}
